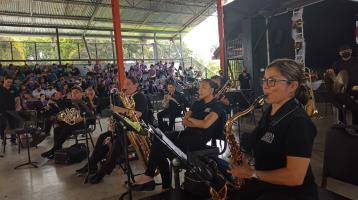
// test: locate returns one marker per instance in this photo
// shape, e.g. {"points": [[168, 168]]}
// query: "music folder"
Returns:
{"points": [[170, 144]]}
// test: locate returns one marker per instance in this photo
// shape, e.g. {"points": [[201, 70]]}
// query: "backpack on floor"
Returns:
{"points": [[73, 154]]}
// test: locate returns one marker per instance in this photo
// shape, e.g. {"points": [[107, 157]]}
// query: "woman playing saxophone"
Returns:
{"points": [[281, 143]]}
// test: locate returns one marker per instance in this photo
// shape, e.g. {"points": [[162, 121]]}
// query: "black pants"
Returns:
{"points": [[187, 141], [62, 132], [101, 151], [172, 114], [256, 190], [345, 99], [5, 119]]}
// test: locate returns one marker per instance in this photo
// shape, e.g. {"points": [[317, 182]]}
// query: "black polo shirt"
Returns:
{"points": [[245, 81], [200, 110], [7, 97], [289, 132]]}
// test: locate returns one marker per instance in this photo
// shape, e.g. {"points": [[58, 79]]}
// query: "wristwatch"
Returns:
{"points": [[254, 175]]}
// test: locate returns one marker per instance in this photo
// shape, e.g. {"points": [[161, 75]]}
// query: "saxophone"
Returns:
{"points": [[234, 147], [140, 142]]}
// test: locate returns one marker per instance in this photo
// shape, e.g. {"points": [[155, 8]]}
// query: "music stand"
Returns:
{"points": [[190, 161], [126, 127], [35, 105], [29, 162]]}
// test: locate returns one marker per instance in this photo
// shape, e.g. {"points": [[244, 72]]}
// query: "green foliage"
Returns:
{"points": [[72, 48]]}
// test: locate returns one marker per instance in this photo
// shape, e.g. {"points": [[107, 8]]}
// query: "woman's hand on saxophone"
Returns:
{"points": [[243, 171], [118, 109]]}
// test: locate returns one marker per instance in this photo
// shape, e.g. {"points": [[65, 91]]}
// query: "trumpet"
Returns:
{"points": [[223, 90], [167, 99]]}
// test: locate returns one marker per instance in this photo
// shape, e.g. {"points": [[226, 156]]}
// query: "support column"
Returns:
{"points": [[181, 50], [118, 41], [11, 51], [267, 40], [220, 10], [78, 51], [86, 45], [113, 48], [95, 47], [35, 50], [143, 52], [58, 47], [155, 48]]}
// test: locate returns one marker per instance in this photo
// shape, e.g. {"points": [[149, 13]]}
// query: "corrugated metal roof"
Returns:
{"points": [[165, 17]]}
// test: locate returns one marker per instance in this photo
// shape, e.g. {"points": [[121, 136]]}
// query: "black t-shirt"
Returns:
{"points": [[200, 110], [245, 81], [141, 105], [290, 132], [179, 97], [7, 99]]}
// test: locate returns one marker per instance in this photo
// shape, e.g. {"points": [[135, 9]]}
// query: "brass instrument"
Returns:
{"points": [[223, 90], [140, 142], [340, 84], [165, 102], [234, 147], [310, 107], [70, 116]]}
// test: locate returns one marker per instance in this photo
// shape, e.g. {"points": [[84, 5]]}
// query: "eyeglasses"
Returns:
{"points": [[272, 82]]}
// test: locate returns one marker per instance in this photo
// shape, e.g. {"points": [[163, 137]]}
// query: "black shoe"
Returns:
{"points": [[148, 186], [84, 170], [95, 179], [48, 154], [13, 142]]}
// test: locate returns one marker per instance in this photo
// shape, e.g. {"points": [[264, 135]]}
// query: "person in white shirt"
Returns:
{"points": [[37, 92], [50, 91]]}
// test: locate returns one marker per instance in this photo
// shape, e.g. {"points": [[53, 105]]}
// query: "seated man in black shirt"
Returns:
{"points": [[202, 122], [281, 143], [174, 103], [101, 149], [64, 130], [350, 64]]}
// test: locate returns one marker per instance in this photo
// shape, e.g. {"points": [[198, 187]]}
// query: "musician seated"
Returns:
{"points": [[202, 122], [64, 128], [282, 142], [101, 149], [54, 106], [92, 100], [174, 103]]}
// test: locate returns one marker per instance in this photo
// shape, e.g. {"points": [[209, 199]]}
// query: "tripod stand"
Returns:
{"points": [[126, 127], [29, 162]]}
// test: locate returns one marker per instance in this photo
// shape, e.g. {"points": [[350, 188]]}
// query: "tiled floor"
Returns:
{"points": [[59, 182]]}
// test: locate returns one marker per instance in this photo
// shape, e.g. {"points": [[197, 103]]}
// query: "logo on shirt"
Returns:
{"points": [[268, 137], [207, 110]]}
